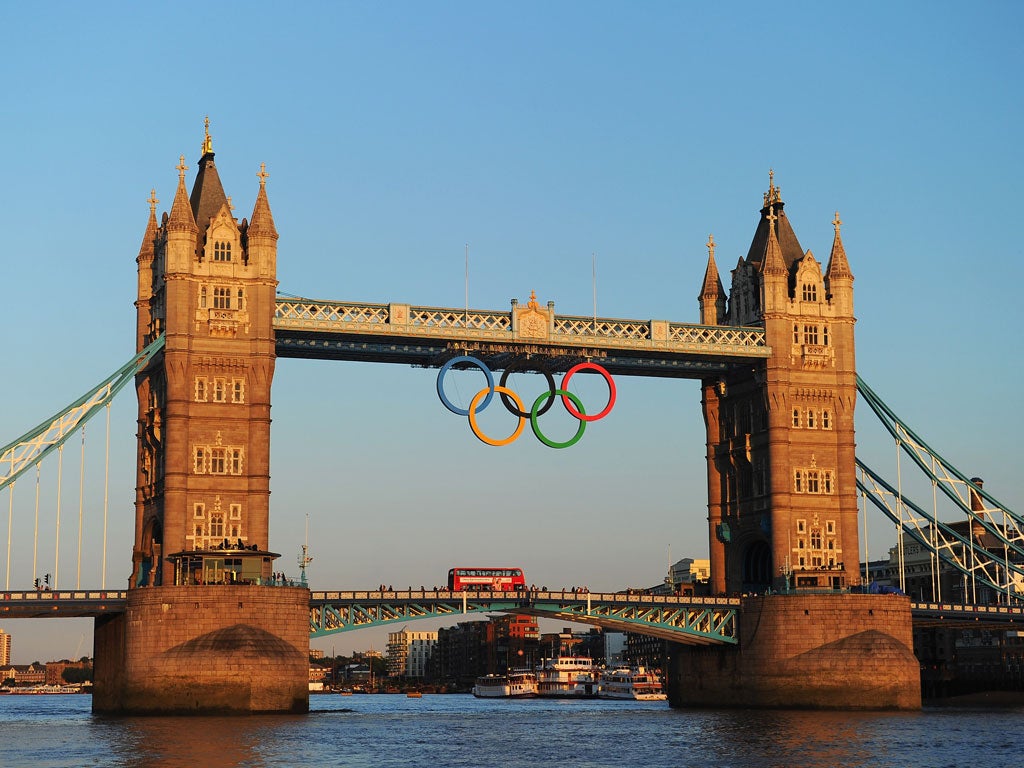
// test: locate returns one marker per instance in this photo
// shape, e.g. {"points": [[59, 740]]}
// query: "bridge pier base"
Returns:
{"points": [[204, 650], [835, 651]]}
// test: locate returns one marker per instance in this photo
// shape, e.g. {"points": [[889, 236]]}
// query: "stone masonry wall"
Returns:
{"points": [[205, 649], [836, 651]]}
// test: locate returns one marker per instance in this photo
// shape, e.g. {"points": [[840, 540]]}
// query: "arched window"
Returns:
{"points": [[810, 292], [222, 250]]}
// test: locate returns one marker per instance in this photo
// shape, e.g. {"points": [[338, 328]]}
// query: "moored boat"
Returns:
{"points": [[519, 684], [634, 683], [567, 677]]}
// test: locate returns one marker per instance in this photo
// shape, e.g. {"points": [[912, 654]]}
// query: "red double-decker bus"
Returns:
{"points": [[486, 579]]}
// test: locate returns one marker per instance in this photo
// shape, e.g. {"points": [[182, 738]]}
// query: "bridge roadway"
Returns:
{"points": [[691, 620]]}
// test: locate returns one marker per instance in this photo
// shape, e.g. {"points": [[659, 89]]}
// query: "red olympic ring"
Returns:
{"points": [[608, 380]]}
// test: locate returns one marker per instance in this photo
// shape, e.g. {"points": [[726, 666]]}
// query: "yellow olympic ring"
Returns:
{"points": [[472, 415]]}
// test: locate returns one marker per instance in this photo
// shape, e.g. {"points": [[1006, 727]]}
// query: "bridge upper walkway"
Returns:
{"points": [[429, 336]]}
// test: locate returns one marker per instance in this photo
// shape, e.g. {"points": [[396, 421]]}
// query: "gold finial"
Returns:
{"points": [[207, 141], [837, 222], [711, 246], [263, 175], [771, 216], [532, 303], [152, 201], [181, 168]]}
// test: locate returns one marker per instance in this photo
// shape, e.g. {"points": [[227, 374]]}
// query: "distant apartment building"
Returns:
{"points": [[5, 649], [409, 652]]}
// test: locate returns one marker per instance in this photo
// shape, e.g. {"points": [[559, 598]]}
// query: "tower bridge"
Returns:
{"points": [[775, 360]]}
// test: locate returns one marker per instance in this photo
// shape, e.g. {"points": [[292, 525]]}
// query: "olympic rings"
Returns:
{"points": [[514, 404]]}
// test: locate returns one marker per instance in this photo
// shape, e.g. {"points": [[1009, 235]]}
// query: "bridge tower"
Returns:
{"points": [[782, 503], [208, 283], [206, 628]]}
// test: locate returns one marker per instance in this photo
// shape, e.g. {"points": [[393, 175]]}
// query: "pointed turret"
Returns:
{"points": [[774, 272], [181, 218], [181, 228], [147, 252], [838, 277], [261, 233], [712, 295]]}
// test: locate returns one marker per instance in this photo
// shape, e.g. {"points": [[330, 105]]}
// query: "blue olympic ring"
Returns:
{"points": [[513, 405]]}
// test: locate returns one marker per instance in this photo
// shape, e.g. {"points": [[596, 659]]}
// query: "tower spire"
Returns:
{"points": [[838, 266], [207, 141], [181, 218], [712, 296]]}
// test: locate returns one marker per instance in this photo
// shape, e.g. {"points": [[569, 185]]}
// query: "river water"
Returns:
{"points": [[457, 730]]}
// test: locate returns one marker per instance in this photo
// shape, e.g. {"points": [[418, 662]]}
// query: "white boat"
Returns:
{"points": [[634, 683], [567, 677], [519, 684]]}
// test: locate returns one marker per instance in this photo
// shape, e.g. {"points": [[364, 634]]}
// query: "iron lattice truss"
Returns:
{"points": [[34, 445], [692, 621], [989, 548], [429, 336]]}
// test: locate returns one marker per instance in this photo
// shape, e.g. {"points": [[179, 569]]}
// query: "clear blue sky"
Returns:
{"points": [[538, 133]]}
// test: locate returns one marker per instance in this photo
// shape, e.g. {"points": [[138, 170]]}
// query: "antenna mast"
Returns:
{"points": [[305, 558]]}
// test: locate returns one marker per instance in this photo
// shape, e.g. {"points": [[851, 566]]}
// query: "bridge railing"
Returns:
{"points": [[299, 314], [522, 595]]}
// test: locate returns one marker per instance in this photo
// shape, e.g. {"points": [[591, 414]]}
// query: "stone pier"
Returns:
{"points": [[814, 651], [205, 650]]}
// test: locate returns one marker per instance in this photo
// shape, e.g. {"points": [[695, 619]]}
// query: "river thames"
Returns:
{"points": [[458, 730]]}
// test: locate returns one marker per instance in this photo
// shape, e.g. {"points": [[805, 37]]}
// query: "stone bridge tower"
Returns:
{"points": [[782, 502], [208, 283], [205, 628]]}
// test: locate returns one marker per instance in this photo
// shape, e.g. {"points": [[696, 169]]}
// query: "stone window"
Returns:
{"points": [[236, 461], [221, 297], [816, 538], [217, 526], [222, 251], [241, 299], [801, 526], [796, 417], [200, 389], [830, 527], [826, 481], [219, 391], [218, 461], [198, 511], [238, 390], [199, 460], [235, 511], [810, 419], [812, 481], [826, 419], [796, 333], [798, 481], [202, 297], [811, 335], [810, 292], [824, 335]]}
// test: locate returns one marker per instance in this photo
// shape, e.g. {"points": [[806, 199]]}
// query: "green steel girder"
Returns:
{"points": [[692, 621]]}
